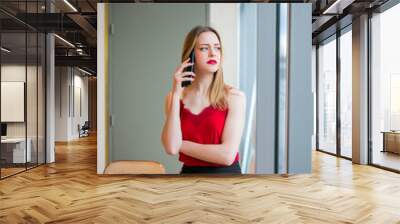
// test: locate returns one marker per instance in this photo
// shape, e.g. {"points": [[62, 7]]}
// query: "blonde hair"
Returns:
{"points": [[218, 91]]}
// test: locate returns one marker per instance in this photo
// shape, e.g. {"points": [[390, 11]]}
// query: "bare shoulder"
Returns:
{"points": [[236, 97], [236, 93]]}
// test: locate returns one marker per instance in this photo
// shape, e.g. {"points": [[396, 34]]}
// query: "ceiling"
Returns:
{"points": [[76, 21], [329, 16]]}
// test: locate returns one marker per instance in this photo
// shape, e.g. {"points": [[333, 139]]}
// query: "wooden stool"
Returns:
{"points": [[134, 167]]}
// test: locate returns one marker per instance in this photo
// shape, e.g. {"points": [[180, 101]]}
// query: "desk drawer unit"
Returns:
{"points": [[391, 142]]}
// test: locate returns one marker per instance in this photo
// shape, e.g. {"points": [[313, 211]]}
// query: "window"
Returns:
{"points": [[346, 93], [327, 96], [385, 89], [247, 82]]}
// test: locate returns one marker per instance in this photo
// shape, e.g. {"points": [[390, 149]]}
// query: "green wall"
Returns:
{"points": [[145, 45]]}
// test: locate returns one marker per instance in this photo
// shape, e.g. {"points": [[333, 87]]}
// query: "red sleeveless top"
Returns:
{"points": [[203, 128]]}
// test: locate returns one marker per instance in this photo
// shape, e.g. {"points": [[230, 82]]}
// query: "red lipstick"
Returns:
{"points": [[212, 62]]}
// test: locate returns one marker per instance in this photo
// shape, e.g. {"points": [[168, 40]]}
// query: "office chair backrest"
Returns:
{"points": [[86, 125]]}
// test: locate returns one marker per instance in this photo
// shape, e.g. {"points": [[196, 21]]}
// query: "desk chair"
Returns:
{"points": [[134, 167], [84, 129]]}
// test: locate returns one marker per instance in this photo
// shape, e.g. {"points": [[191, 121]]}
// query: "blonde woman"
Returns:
{"points": [[204, 120]]}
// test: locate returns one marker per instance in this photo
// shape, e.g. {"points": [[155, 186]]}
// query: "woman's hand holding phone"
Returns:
{"points": [[181, 76]]}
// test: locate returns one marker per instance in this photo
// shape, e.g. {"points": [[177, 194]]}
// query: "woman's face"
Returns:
{"points": [[207, 53]]}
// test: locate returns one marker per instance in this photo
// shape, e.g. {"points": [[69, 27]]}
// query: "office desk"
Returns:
{"points": [[391, 141], [13, 150]]}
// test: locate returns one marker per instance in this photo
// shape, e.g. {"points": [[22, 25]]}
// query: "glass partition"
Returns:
{"points": [[22, 88], [14, 154]]}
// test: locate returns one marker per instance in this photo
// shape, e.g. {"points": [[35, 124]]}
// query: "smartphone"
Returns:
{"points": [[189, 69]]}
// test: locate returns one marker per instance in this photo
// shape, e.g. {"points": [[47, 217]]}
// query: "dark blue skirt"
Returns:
{"points": [[232, 169]]}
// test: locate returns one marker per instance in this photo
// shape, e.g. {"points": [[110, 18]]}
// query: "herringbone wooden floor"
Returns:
{"points": [[70, 191]]}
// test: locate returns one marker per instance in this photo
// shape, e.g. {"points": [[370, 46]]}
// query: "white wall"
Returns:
{"points": [[15, 72], [224, 17], [12, 100], [68, 81], [33, 126], [61, 103], [80, 83]]}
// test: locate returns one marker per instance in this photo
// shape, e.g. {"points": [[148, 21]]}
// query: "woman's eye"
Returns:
{"points": [[206, 48]]}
